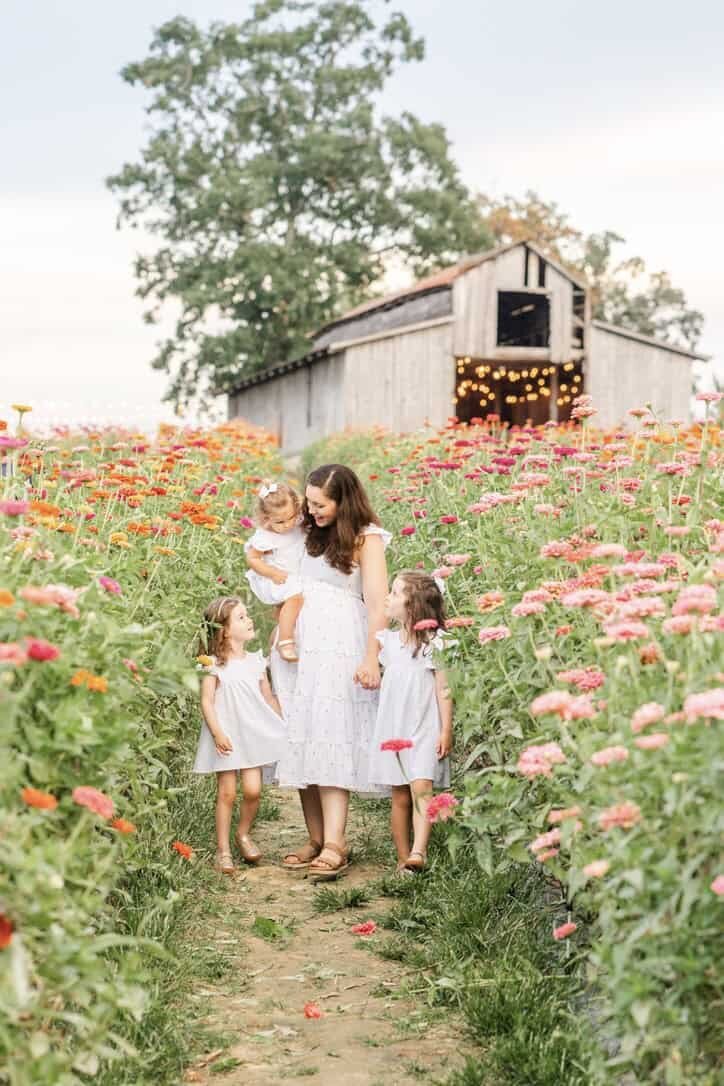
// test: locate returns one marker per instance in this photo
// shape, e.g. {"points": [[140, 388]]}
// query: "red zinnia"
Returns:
{"points": [[368, 928], [6, 931], [448, 519], [311, 1010], [183, 850], [40, 650], [396, 745]]}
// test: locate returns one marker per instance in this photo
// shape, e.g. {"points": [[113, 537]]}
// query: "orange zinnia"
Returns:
{"points": [[183, 850], [35, 798], [6, 931], [6, 598], [97, 683], [123, 826]]}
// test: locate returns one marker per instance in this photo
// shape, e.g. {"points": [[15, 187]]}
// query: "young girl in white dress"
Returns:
{"points": [[242, 730], [274, 554], [415, 707]]}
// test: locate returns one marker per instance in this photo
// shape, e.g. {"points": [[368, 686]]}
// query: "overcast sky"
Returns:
{"points": [[615, 111]]}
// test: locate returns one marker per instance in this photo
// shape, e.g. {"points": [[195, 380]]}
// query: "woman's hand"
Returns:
{"points": [[222, 743], [367, 674], [444, 743]]}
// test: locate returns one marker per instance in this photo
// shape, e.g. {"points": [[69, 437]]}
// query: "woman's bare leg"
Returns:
{"points": [[335, 805], [312, 810]]}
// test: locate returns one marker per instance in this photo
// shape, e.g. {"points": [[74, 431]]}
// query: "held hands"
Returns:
{"points": [[222, 743], [279, 576], [444, 743], [367, 674]]}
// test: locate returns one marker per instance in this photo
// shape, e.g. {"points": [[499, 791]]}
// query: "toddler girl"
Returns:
{"points": [[415, 706], [243, 730], [274, 553]]}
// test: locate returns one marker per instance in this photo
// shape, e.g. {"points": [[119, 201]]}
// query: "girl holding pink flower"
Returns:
{"points": [[413, 732]]}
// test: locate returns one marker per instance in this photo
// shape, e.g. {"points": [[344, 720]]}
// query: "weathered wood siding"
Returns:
{"points": [[622, 373], [401, 381], [297, 407], [430, 305], [560, 293], [475, 312]]}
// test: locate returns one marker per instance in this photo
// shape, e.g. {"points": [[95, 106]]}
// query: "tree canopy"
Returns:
{"points": [[275, 188], [623, 293]]}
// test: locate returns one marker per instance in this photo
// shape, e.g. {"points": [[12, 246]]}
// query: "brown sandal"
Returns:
{"points": [[224, 863], [303, 856], [415, 861], [250, 854], [325, 870]]}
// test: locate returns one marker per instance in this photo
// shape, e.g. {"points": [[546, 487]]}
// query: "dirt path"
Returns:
{"points": [[285, 953]]}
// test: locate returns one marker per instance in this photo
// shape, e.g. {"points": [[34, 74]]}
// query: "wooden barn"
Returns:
{"points": [[506, 332]]}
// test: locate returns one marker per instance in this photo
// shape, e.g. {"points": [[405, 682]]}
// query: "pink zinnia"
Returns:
{"points": [[680, 624], [426, 624], [12, 653], [700, 598], [650, 713], [625, 815], [526, 608], [449, 518], [585, 597], [40, 650], [110, 585], [718, 885], [706, 706], [596, 869], [13, 508], [625, 631], [408, 530], [443, 572], [94, 800], [564, 930], [456, 559], [609, 755], [246, 522], [396, 745], [561, 815], [583, 678], [652, 742], [441, 807], [493, 633], [545, 840], [53, 595], [609, 550], [538, 760]]}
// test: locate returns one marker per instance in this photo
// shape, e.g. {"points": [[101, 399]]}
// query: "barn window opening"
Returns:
{"points": [[579, 319], [523, 319]]}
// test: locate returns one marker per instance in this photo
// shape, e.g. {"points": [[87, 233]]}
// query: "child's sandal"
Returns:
{"points": [[286, 653], [415, 861], [301, 857], [250, 854], [329, 867], [224, 863]]}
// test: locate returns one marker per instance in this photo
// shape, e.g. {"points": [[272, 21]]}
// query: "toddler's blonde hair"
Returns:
{"points": [[269, 501]]}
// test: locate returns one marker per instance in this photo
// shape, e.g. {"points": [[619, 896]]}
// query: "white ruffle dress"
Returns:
{"points": [[255, 730], [283, 550], [408, 709], [329, 717]]}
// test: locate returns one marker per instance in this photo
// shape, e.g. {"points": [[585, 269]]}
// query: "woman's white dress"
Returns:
{"points": [[408, 709], [255, 730], [330, 718], [283, 550]]}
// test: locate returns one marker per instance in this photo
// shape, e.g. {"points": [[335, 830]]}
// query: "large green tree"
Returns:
{"points": [[623, 292], [275, 188]]}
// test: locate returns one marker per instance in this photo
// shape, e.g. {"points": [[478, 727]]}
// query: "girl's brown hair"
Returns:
{"points": [[340, 541], [424, 603], [214, 636], [277, 499]]}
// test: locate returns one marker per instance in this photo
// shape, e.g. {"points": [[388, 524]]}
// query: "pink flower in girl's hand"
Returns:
{"points": [[426, 624], [396, 745], [441, 807], [368, 928]]}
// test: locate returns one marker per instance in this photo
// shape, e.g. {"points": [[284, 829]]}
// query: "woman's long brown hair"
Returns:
{"points": [[340, 541]]}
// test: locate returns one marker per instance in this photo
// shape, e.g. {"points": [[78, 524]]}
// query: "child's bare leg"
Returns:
{"points": [[251, 789], [421, 794], [288, 617], [225, 799], [401, 820]]}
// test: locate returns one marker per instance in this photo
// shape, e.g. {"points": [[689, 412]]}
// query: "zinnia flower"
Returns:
{"points": [[6, 931], [95, 801], [625, 815], [368, 928], [183, 850], [652, 742], [556, 816], [396, 745], [596, 869], [456, 559], [123, 826], [490, 601], [650, 713], [564, 930], [426, 624], [706, 706], [718, 886], [40, 650], [609, 755], [12, 653], [409, 529], [11, 508], [311, 1010], [110, 585], [35, 798], [537, 761], [449, 518], [493, 633], [441, 807], [625, 631]]}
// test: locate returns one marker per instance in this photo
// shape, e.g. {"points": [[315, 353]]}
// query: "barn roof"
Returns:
{"points": [[444, 278]]}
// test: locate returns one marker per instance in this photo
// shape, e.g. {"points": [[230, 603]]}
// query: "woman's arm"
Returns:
{"points": [[208, 689], [269, 696], [374, 591], [255, 560], [445, 708]]}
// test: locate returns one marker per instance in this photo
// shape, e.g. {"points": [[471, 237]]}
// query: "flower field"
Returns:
{"points": [[583, 574], [111, 544]]}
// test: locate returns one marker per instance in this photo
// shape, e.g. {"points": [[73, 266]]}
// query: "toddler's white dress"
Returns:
{"points": [[283, 550], [408, 709], [329, 717], [255, 730]]}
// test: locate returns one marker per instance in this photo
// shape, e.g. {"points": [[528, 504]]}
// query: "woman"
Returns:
{"points": [[330, 696]]}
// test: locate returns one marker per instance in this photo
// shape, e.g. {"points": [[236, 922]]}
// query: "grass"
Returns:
{"points": [[327, 900], [487, 952]]}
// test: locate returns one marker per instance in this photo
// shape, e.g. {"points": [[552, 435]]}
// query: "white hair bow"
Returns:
{"points": [[265, 491], [440, 585]]}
